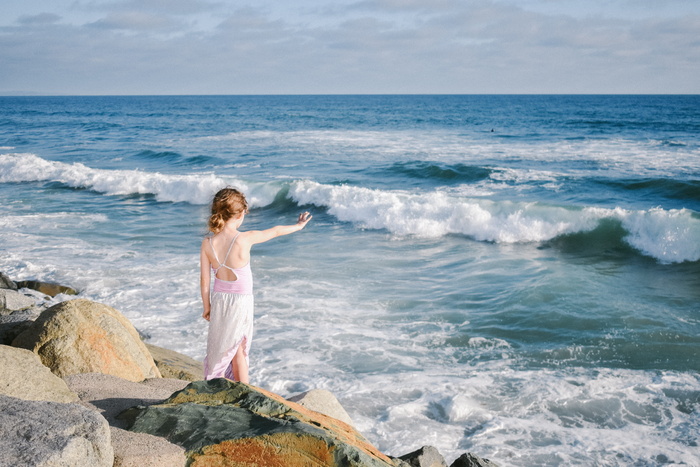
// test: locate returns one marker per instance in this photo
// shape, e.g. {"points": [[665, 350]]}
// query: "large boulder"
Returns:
{"points": [[176, 365], [48, 434], [25, 377], [220, 422], [11, 301], [47, 288], [80, 336], [110, 396], [322, 401]]}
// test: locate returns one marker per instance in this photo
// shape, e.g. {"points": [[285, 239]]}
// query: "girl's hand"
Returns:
{"points": [[205, 315], [304, 218]]}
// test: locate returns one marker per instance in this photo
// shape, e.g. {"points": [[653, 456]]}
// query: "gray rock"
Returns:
{"points": [[470, 460], [11, 301], [52, 434], [6, 282], [110, 395], [322, 401], [15, 324], [427, 456], [176, 365], [23, 376]]}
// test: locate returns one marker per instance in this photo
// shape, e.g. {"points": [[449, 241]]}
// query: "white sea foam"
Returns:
{"points": [[436, 214], [50, 221], [575, 416], [671, 236], [194, 189]]}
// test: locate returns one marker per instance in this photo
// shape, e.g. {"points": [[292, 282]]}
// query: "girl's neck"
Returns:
{"points": [[230, 229]]}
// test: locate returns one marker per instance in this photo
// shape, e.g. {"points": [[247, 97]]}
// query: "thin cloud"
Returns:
{"points": [[170, 7], [41, 18], [134, 21]]}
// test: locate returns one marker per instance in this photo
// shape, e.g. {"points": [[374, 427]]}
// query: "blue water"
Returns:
{"points": [[517, 276]]}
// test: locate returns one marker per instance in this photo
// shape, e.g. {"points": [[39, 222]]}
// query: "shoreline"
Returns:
{"points": [[70, 378]]}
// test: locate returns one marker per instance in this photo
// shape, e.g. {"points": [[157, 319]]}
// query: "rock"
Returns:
{"points": [[15, 324], [427, 456], [324, 402], [110, 396], [80, 336], [220, 422], [47, 288], [24, 377], [52, 434], [11, 301], [176, 365], [144, 450], [470, 460], [6, 282]]}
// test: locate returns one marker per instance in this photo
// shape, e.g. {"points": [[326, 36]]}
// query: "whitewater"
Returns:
{"points": [[667, 235], [529, 294]]}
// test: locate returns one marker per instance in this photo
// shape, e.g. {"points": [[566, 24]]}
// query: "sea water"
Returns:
{"points": [[515, 276]]}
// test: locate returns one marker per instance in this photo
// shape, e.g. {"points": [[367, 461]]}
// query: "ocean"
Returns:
{"points": [[515, 276]]}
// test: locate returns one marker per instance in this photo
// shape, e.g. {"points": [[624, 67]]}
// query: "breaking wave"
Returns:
{"points": [[670, 236]]}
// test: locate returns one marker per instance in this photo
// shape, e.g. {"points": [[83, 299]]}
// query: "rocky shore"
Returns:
{"points": [[79, 387]]}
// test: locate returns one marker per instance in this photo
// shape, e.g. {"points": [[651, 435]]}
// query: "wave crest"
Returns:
{"points": [[670, 236], [193, 189]]}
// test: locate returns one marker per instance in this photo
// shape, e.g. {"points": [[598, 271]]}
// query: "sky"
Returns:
{"points": [[136, 47]]}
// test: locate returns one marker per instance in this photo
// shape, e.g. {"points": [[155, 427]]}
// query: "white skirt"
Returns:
{"points": [[230, 326]]}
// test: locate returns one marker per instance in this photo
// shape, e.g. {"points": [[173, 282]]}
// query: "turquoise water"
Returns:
{"points": [[518, 276]]}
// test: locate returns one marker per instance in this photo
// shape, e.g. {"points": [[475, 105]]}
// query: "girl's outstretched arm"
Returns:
{"points": [[205, 280], [260, 236]]}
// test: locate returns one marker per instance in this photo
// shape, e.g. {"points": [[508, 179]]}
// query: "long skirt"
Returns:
{"points": [[230, 326]]}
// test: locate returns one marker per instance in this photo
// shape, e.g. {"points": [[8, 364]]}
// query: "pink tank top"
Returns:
{"points": [[244, 276]]}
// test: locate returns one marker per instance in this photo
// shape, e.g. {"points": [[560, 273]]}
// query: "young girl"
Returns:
{"points": [[229, 307]]}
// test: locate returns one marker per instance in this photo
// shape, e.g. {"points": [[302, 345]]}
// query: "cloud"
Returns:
{"points": [[372, 46], [170, 7], [41, 18], [134, 21]]}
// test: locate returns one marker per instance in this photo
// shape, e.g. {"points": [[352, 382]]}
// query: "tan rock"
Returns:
{"points": [[47, 288], [144, 450], [80, 336], [24, 376], [324, 402], [176, 365]]}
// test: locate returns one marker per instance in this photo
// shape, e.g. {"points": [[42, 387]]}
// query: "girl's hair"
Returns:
{"points": [[228, 203]]}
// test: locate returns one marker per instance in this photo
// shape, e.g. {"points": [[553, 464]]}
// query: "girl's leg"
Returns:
{"points": [[239, 365]]}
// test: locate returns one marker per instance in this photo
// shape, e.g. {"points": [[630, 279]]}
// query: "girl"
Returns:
{"points": [[229, 307]]}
